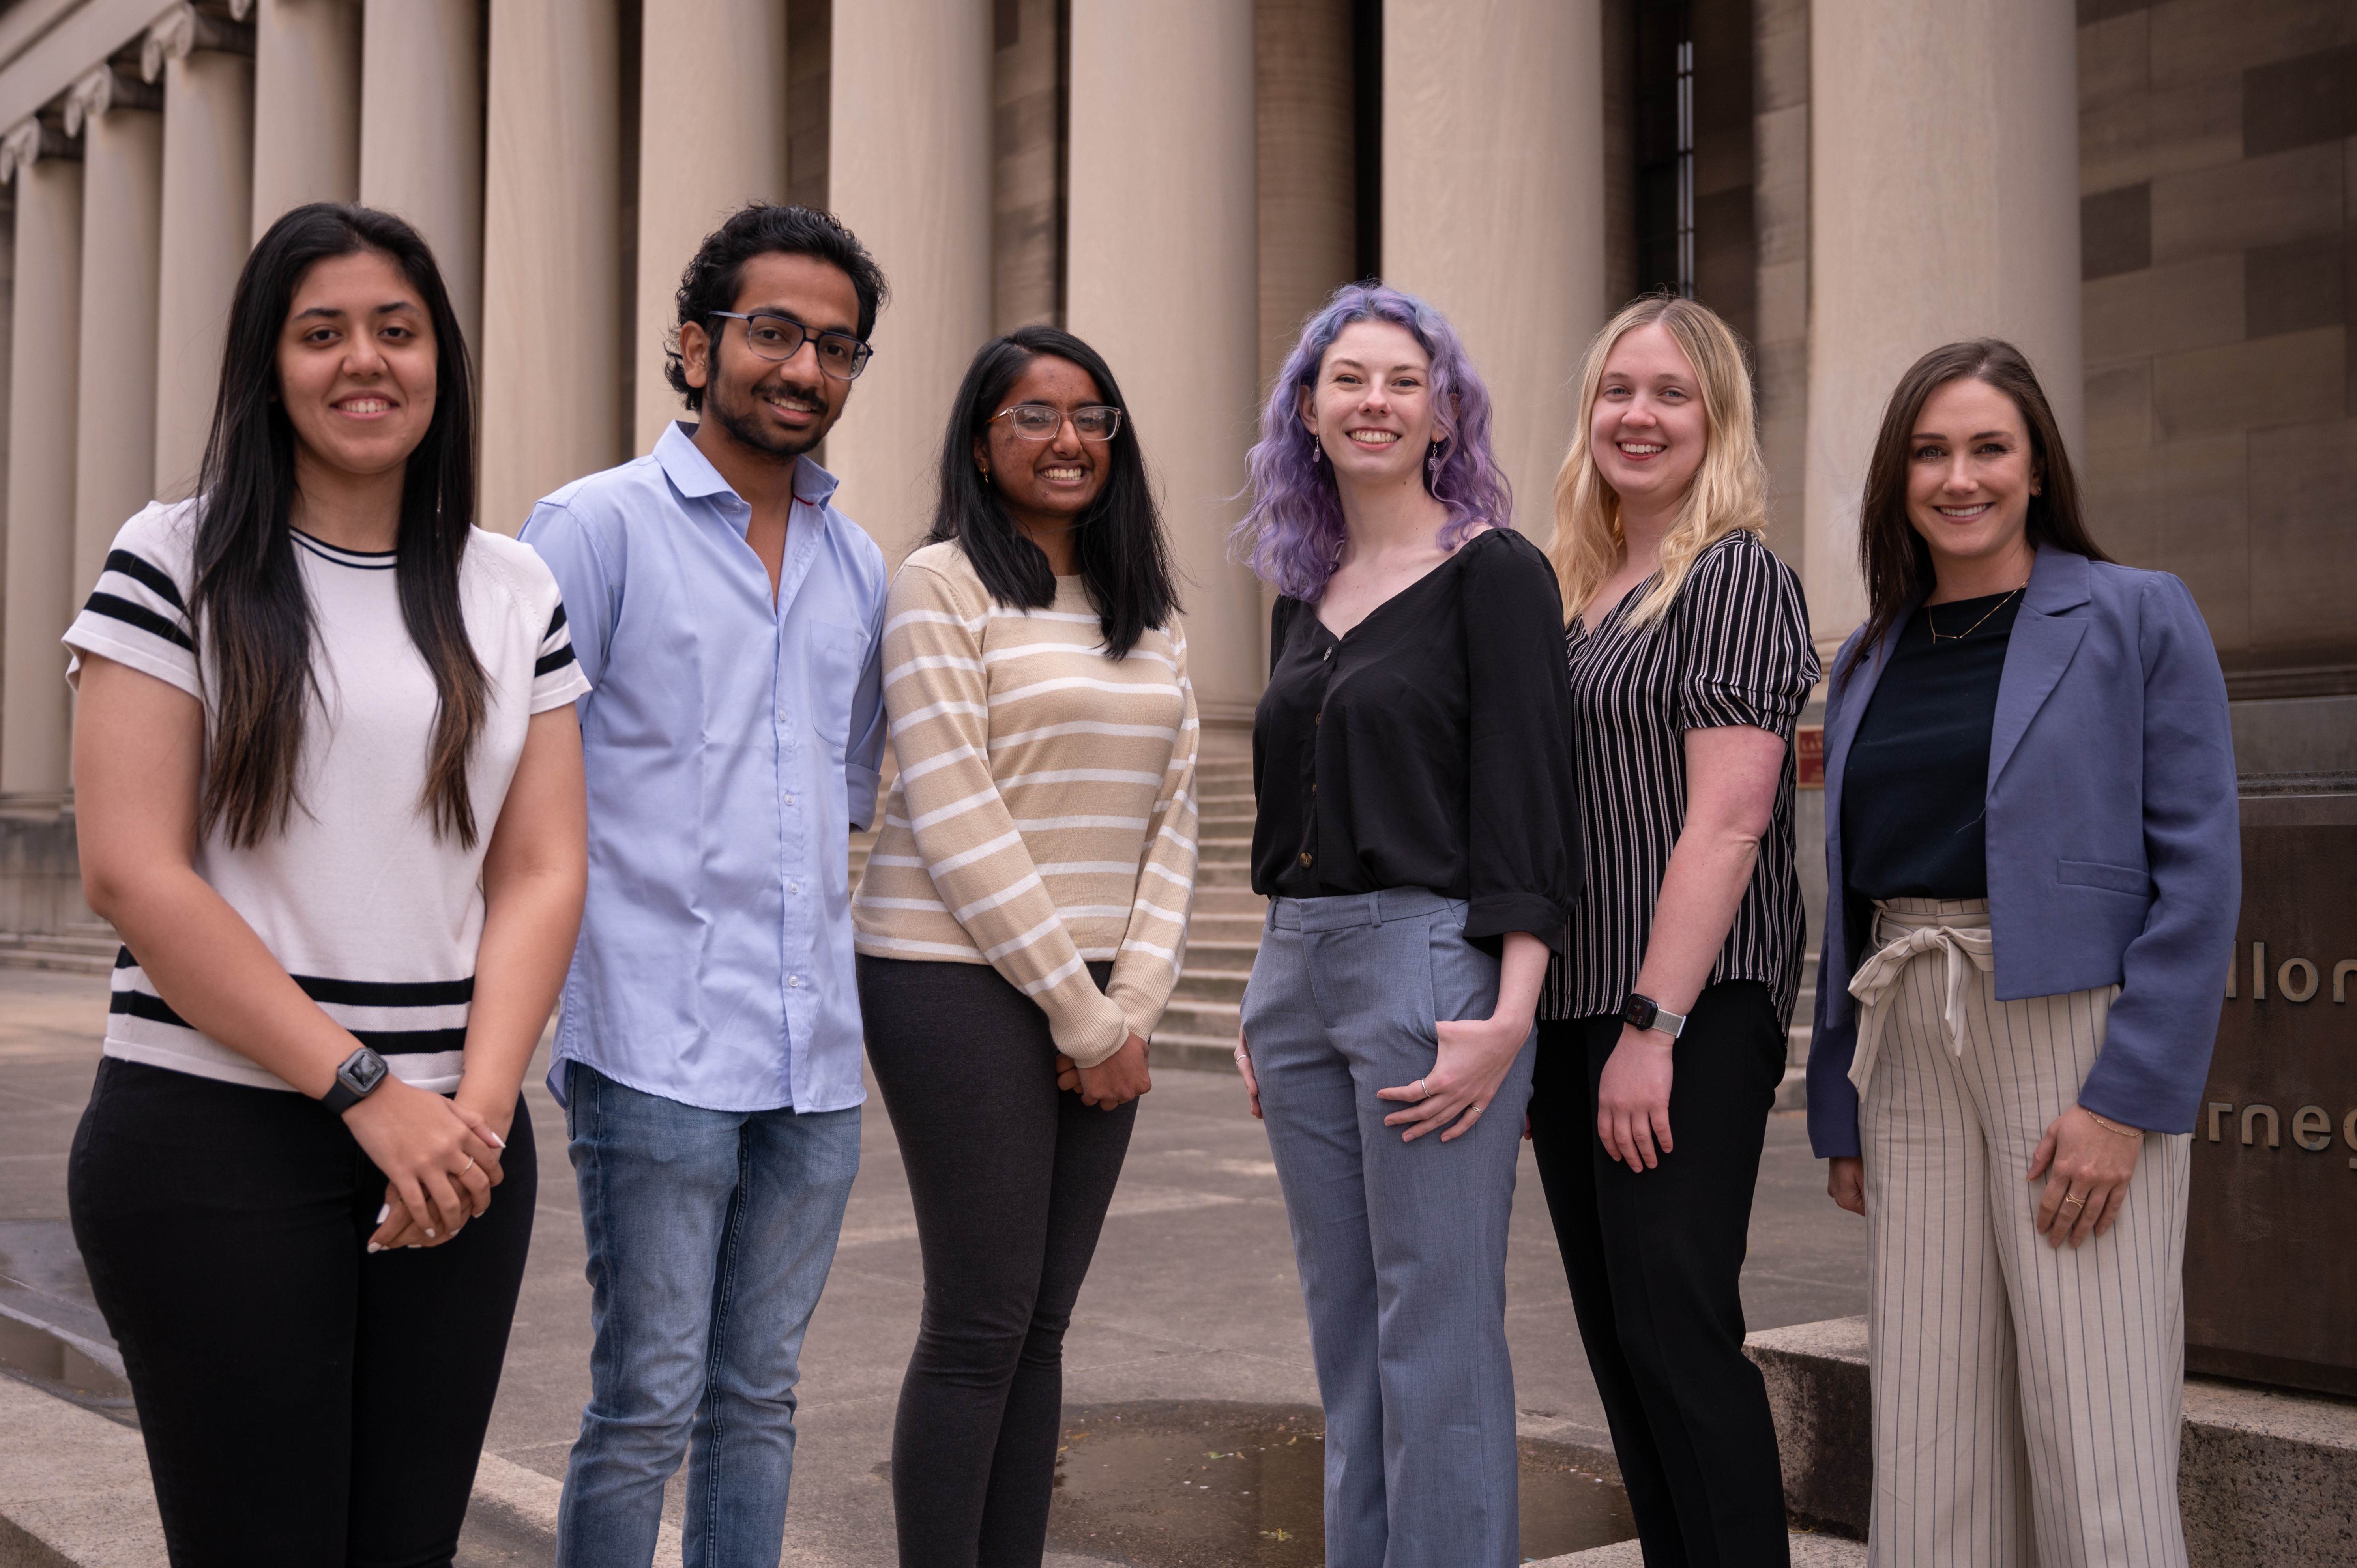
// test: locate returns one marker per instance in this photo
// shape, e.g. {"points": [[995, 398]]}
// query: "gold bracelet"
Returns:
{"points": [[2112, 1126]]}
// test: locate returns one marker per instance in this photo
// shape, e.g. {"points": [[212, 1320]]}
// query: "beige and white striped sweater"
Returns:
{"points": [[1044, 814]]}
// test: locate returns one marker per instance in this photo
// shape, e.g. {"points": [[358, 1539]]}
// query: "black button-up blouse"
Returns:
{"points": [[1429, 748]]}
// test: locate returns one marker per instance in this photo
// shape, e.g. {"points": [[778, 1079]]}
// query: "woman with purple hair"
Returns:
{"points": [[1412, 779]]}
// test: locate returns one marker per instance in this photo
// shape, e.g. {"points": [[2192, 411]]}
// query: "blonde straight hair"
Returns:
{"points": [[1728, 492]]}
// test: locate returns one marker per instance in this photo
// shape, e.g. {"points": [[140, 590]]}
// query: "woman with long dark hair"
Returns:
{"points": [[1020, 919], [1411, 761], [328, 788], [2033, 853]]}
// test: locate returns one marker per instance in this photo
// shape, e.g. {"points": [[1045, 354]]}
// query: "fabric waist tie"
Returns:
{"points": [[1956, 929]]}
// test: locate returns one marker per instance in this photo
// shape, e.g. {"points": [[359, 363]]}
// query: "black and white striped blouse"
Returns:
{"points": [[1733, 648]]}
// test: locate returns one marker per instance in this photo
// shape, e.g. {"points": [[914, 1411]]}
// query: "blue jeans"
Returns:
{"points": [[710, 1235], [1401, 1247]]}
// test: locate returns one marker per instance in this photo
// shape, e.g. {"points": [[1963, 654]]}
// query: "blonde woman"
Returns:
{"points": [[1661, 1025]]}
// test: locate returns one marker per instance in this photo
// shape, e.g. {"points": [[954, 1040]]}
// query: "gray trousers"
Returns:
{"points": [[1401, 1247]]}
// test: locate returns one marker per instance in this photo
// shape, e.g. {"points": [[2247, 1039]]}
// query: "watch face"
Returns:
{"points": [[1640, 1013], [363, 1071]]}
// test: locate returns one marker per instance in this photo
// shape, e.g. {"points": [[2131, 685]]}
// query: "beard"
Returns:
{"points": [[741, 418]]}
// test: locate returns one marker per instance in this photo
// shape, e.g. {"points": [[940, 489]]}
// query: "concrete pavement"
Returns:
{"points": [[1192, 1298]]}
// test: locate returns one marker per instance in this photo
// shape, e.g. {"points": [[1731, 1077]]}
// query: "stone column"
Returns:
{"points": [[1162, 282], [206, 66], [422, 134], [122, 252], [1308, 165], [911, 157], [1493, 206], [1936, 215], [554, 345], [41, 405], [306, 103], [712, 136]]}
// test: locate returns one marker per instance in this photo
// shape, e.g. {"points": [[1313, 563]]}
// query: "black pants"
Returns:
{"points": [[304, 1404], [1011, 1178], [1653, 1262]]}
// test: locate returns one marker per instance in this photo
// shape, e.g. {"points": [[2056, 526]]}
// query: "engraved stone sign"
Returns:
{"points": [[2271, 1238]]}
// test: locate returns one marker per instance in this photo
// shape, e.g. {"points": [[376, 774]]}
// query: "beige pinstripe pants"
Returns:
{"points": [[2026, 1397]]}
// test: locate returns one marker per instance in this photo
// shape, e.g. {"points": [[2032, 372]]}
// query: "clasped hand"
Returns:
{"points": [[440, 1160], [2080, 1160], [1113, 1082]]}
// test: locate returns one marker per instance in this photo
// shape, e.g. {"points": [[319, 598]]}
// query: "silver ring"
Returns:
{"points": [[1478, 1108], [1420, 1091], [467, 1166]]}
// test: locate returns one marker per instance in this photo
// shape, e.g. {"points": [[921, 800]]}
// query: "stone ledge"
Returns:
{"points": [[2265, 1477], [1809, 1550]]}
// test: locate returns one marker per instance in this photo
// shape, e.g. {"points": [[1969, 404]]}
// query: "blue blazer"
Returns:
{"points": [[2115, 838]]}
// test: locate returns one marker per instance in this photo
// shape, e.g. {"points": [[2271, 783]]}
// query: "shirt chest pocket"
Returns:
{"points": [[834, 657]]}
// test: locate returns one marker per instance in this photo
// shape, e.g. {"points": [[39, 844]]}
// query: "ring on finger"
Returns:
{"points": [[2074, 1201], [467, 1166], [1478, 1108], [1420, 1091]]}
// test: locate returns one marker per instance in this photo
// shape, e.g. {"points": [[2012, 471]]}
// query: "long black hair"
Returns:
{"points": [[1891, 556], [1123, 553], [250, 605]]}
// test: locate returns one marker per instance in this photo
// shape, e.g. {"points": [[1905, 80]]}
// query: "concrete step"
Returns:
{"points": [[1809, 1550], [1211, 984], [1242, 931], [1190, 1018], [1229, 901], [2266, 1476], [75, 954]]}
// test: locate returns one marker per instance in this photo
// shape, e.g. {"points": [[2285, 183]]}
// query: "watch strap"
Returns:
{"points": [[338, 1098]]}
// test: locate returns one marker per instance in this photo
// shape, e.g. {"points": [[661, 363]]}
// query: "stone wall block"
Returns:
{"points": [[2201, 38], [2119, 404], [2204, 519], [2235, 386], [2258, 201], [2295, 286], [2115, 59], [2299, 527], [2198, 124], [2160, 310]]}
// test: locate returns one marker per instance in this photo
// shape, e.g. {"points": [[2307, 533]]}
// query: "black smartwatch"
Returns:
{"points": [[355, 1081], [1644, 1013]]}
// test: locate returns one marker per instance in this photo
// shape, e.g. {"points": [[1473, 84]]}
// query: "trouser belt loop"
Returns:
{"points": [[1375, 903]]}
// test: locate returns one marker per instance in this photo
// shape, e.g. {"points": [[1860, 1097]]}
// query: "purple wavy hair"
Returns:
{"points": [[1293, 533]]}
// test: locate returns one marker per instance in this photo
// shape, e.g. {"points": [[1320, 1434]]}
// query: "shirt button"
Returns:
{"points": [[794, 980], [790, 799], [1318, 718], [793, 887], [1304, 857]]}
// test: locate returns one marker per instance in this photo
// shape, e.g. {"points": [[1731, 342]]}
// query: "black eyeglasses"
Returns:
{"points": [[1039, 422], [840, 355]]}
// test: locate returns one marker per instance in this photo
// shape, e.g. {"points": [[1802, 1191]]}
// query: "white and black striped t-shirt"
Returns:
{"points": [[1733, 648], [375, 915]]}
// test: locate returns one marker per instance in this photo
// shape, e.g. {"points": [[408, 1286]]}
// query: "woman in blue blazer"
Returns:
{"points": [[2032, 854]]}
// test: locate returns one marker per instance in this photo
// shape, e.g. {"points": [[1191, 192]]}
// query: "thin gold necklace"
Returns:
{"points": [[1933, 627]]}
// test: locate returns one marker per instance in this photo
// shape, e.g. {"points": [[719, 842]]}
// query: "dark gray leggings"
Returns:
{"points": [[1010, 1179]]}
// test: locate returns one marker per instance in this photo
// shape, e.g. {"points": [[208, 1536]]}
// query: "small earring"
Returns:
{"points": [[983, 472], [1432, 460], [1316, 449]]}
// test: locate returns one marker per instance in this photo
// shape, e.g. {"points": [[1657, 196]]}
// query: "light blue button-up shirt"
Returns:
{"points": [[730, 742]]}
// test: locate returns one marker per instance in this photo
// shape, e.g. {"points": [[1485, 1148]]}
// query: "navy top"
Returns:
{"points": [[1915, 815], [1429, 748]]}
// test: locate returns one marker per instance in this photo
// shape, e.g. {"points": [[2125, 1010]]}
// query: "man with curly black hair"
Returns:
{"points": [[708, 1056]]}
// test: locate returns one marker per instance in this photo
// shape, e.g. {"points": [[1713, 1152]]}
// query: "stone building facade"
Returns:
{"points": [[2155, 200]]}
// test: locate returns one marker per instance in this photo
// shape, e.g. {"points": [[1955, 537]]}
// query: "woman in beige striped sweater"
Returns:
{"points": [[1021, 917]]}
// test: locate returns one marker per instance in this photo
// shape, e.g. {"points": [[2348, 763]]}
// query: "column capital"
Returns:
{"points": [[102, 88], [182, 29], [28, 141]]}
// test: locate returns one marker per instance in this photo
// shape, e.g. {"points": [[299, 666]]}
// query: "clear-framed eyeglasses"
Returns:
{"points": [[1039, 422], [840, 355]]}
